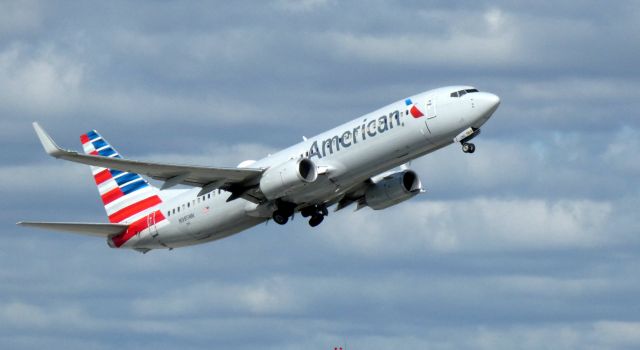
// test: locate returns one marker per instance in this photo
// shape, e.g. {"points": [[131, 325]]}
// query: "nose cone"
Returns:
{"points": [[486, 103], [490, 102], [494, 99]]}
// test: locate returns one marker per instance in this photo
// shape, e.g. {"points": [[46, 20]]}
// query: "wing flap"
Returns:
{"points": [[172, 173], [89, 229]]}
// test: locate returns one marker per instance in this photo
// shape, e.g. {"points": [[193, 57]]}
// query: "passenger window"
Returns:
{"points": [[174, 210], [169, 213], [178, 209], [208, 195]]}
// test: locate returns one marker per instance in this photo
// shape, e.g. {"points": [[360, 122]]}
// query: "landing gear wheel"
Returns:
{"points": [[280, 217], [314, 210], [468, 147], [306, 212], [316, 220]]}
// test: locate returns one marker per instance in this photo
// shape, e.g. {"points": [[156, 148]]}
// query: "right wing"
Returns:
{"points": [[89, 229], [236, 180]]}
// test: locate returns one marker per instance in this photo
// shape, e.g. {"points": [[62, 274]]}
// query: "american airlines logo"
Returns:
{"points": [[350, 137], [415, 112]]}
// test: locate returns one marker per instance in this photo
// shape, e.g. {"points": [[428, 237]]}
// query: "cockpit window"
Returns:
{"points": [[463, 92]]}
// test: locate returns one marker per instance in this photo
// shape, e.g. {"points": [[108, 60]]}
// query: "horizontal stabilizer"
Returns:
{"points": [[89, 229]]}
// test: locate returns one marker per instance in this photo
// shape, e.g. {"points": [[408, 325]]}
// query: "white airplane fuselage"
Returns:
{"points": [[346, 156]]}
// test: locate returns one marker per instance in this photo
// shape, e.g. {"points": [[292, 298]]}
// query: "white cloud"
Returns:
{"points": [[495, 19], [589, 90], [300, 5], [620, 153], [617, 333], [585, 335], [38, 178], [43, 82], [560, 165], [269, 296], [486, 49], [201, 50], [27, 316], [470, 225]]}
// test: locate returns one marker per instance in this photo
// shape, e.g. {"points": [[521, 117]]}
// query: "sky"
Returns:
{"points": [[531, 242]]}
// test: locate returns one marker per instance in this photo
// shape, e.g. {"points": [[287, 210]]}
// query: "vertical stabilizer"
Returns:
{"points": [[127, 197]]}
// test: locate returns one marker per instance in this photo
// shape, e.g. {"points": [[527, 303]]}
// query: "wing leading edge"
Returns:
{"points": [[209, 178]]}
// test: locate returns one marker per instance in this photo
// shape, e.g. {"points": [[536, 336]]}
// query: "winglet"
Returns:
{"points": [[47, 142]]}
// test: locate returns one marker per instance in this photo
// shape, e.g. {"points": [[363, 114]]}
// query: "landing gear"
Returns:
{"points": [[280, 217], [284, 212], [468, 147], [316, 212], [465, 136], [316, 220]]}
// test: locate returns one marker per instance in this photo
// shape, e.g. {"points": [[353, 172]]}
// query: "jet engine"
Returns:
{"points": [[393, 189], [287, 178]]}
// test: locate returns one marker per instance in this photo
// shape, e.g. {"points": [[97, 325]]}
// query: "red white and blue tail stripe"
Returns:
{"points": [[127, 197]]}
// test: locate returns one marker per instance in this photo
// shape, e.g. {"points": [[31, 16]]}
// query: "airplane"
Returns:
{"points": [[362, 162]]}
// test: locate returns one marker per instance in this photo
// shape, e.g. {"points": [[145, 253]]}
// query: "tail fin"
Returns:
{"points": [[127, 197]]}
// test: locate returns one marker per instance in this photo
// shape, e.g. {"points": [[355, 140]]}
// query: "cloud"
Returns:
{"points": [[272, 296], [565, 166], [28, 316], [487, 49], [531, 238], [471, 224], [297, 6], [39, 82], [617, 153], [20, 17]]}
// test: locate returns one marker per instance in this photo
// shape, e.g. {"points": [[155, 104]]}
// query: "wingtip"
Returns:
{"points": [[47, 142]]}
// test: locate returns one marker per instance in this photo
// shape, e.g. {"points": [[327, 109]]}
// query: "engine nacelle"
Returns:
{"points": [[393, 189], [287, 178]]}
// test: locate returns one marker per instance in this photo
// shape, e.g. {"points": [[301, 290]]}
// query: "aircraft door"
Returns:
{"points": [[430, 112], [151, 223], [431, 108]]}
